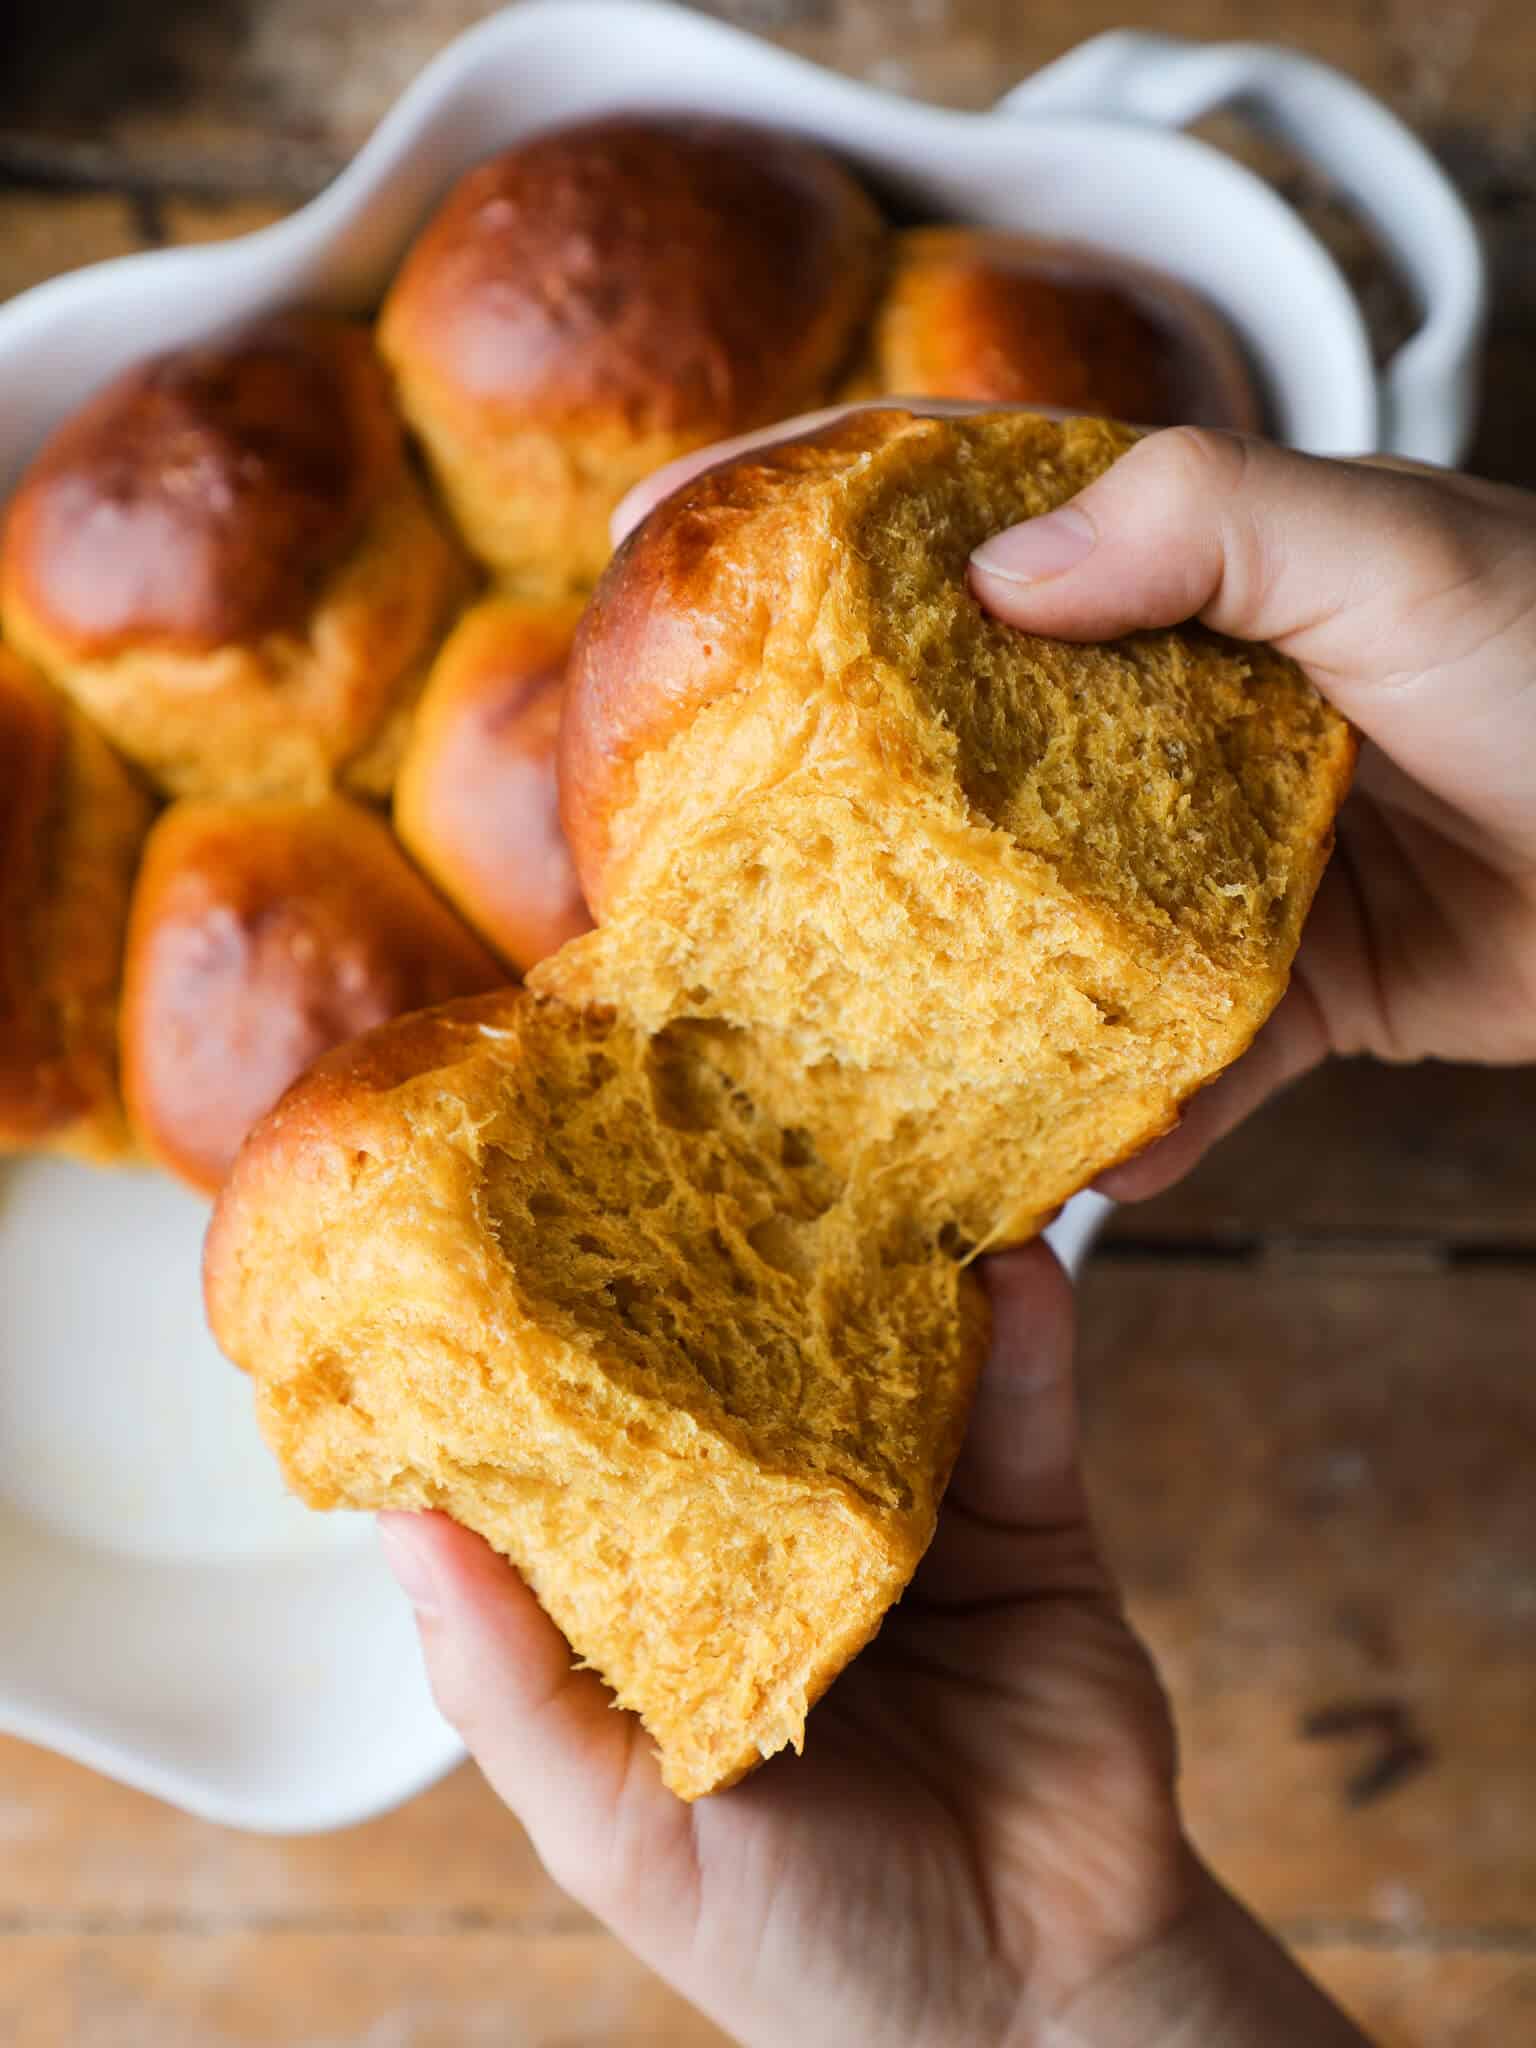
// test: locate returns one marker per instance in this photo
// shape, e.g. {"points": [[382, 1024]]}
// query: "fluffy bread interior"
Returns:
{"points": [[1032, 894], [659, 1277], [626, 1324]]}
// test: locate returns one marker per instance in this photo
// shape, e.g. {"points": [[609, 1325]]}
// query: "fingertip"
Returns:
{"points": [[500, 1670], [406, 1544], [1019, 1458], [1291, 1043], [642, 498], [465, 1557], [427, 1543], [1027, 1276], [460, 1587], [1150, 1173], [1033, 1319], [1054, 575], [1036, 550], [1156, 1165]]}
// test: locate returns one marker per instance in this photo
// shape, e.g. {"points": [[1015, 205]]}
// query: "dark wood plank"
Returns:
{"points": [[274, 95], [1316, 1477], [45, 233], [184, 218], [1434, 1153], [182, 78]]}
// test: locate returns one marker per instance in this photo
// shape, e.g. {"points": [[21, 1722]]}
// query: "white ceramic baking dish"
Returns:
{"points": [[165, 1614]]}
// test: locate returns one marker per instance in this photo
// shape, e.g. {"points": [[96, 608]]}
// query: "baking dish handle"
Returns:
{"points": [[1429, 386]]}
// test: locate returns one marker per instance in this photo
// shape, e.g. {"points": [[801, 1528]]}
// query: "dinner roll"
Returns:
{"points": [[477, 802], [525, 1264], [657, 1273], [1014, 319], [811, 786], [72, 822], [602, 298], [263, 934], [226, 560]]}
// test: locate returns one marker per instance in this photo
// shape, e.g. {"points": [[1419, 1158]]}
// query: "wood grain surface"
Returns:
{"points": [[1310, 1394], [1313, 1473]]}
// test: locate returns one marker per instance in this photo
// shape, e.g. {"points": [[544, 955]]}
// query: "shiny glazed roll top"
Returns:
{"points": [[591, 303], [226, 560]]}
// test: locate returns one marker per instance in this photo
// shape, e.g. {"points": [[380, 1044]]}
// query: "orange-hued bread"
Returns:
{"points": [[263, 934], [606, 296], [72, 822], [1036, 893], [564, 1281], [977, 313], [658, 1273], [225, 559], [477, 801]]}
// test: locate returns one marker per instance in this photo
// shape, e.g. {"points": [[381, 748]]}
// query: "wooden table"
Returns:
{"points": [[1309, 1372]]}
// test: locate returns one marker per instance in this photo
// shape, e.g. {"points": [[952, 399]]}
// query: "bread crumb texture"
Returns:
{"points": [[573, 1284], [658, 1274]]}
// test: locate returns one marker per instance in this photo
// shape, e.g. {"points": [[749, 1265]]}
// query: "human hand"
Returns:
{"points": [[981, 1843], [1409, 596]]}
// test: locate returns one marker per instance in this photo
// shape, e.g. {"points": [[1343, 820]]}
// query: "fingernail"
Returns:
{"points": [[409, 1560], [1039, 548]]}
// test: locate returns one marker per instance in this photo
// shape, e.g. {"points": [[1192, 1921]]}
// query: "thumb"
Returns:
{"points": [[1408, 595], [1019, 1462], [1015, 1516]]}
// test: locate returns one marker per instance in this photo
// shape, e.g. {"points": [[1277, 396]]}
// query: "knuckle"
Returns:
{"points": [[1445, 547], [1197, 466], [1458, 570], [1197, 502]]}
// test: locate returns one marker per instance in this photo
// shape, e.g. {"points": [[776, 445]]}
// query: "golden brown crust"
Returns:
{"points": [[323, 1118], [675, 623], [974, 313], [72, 821], [200, 498], [324, 1115], [36, 1091], [477, 801], [261, 936], [610, 294], [226, 560], [680, 277]]}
